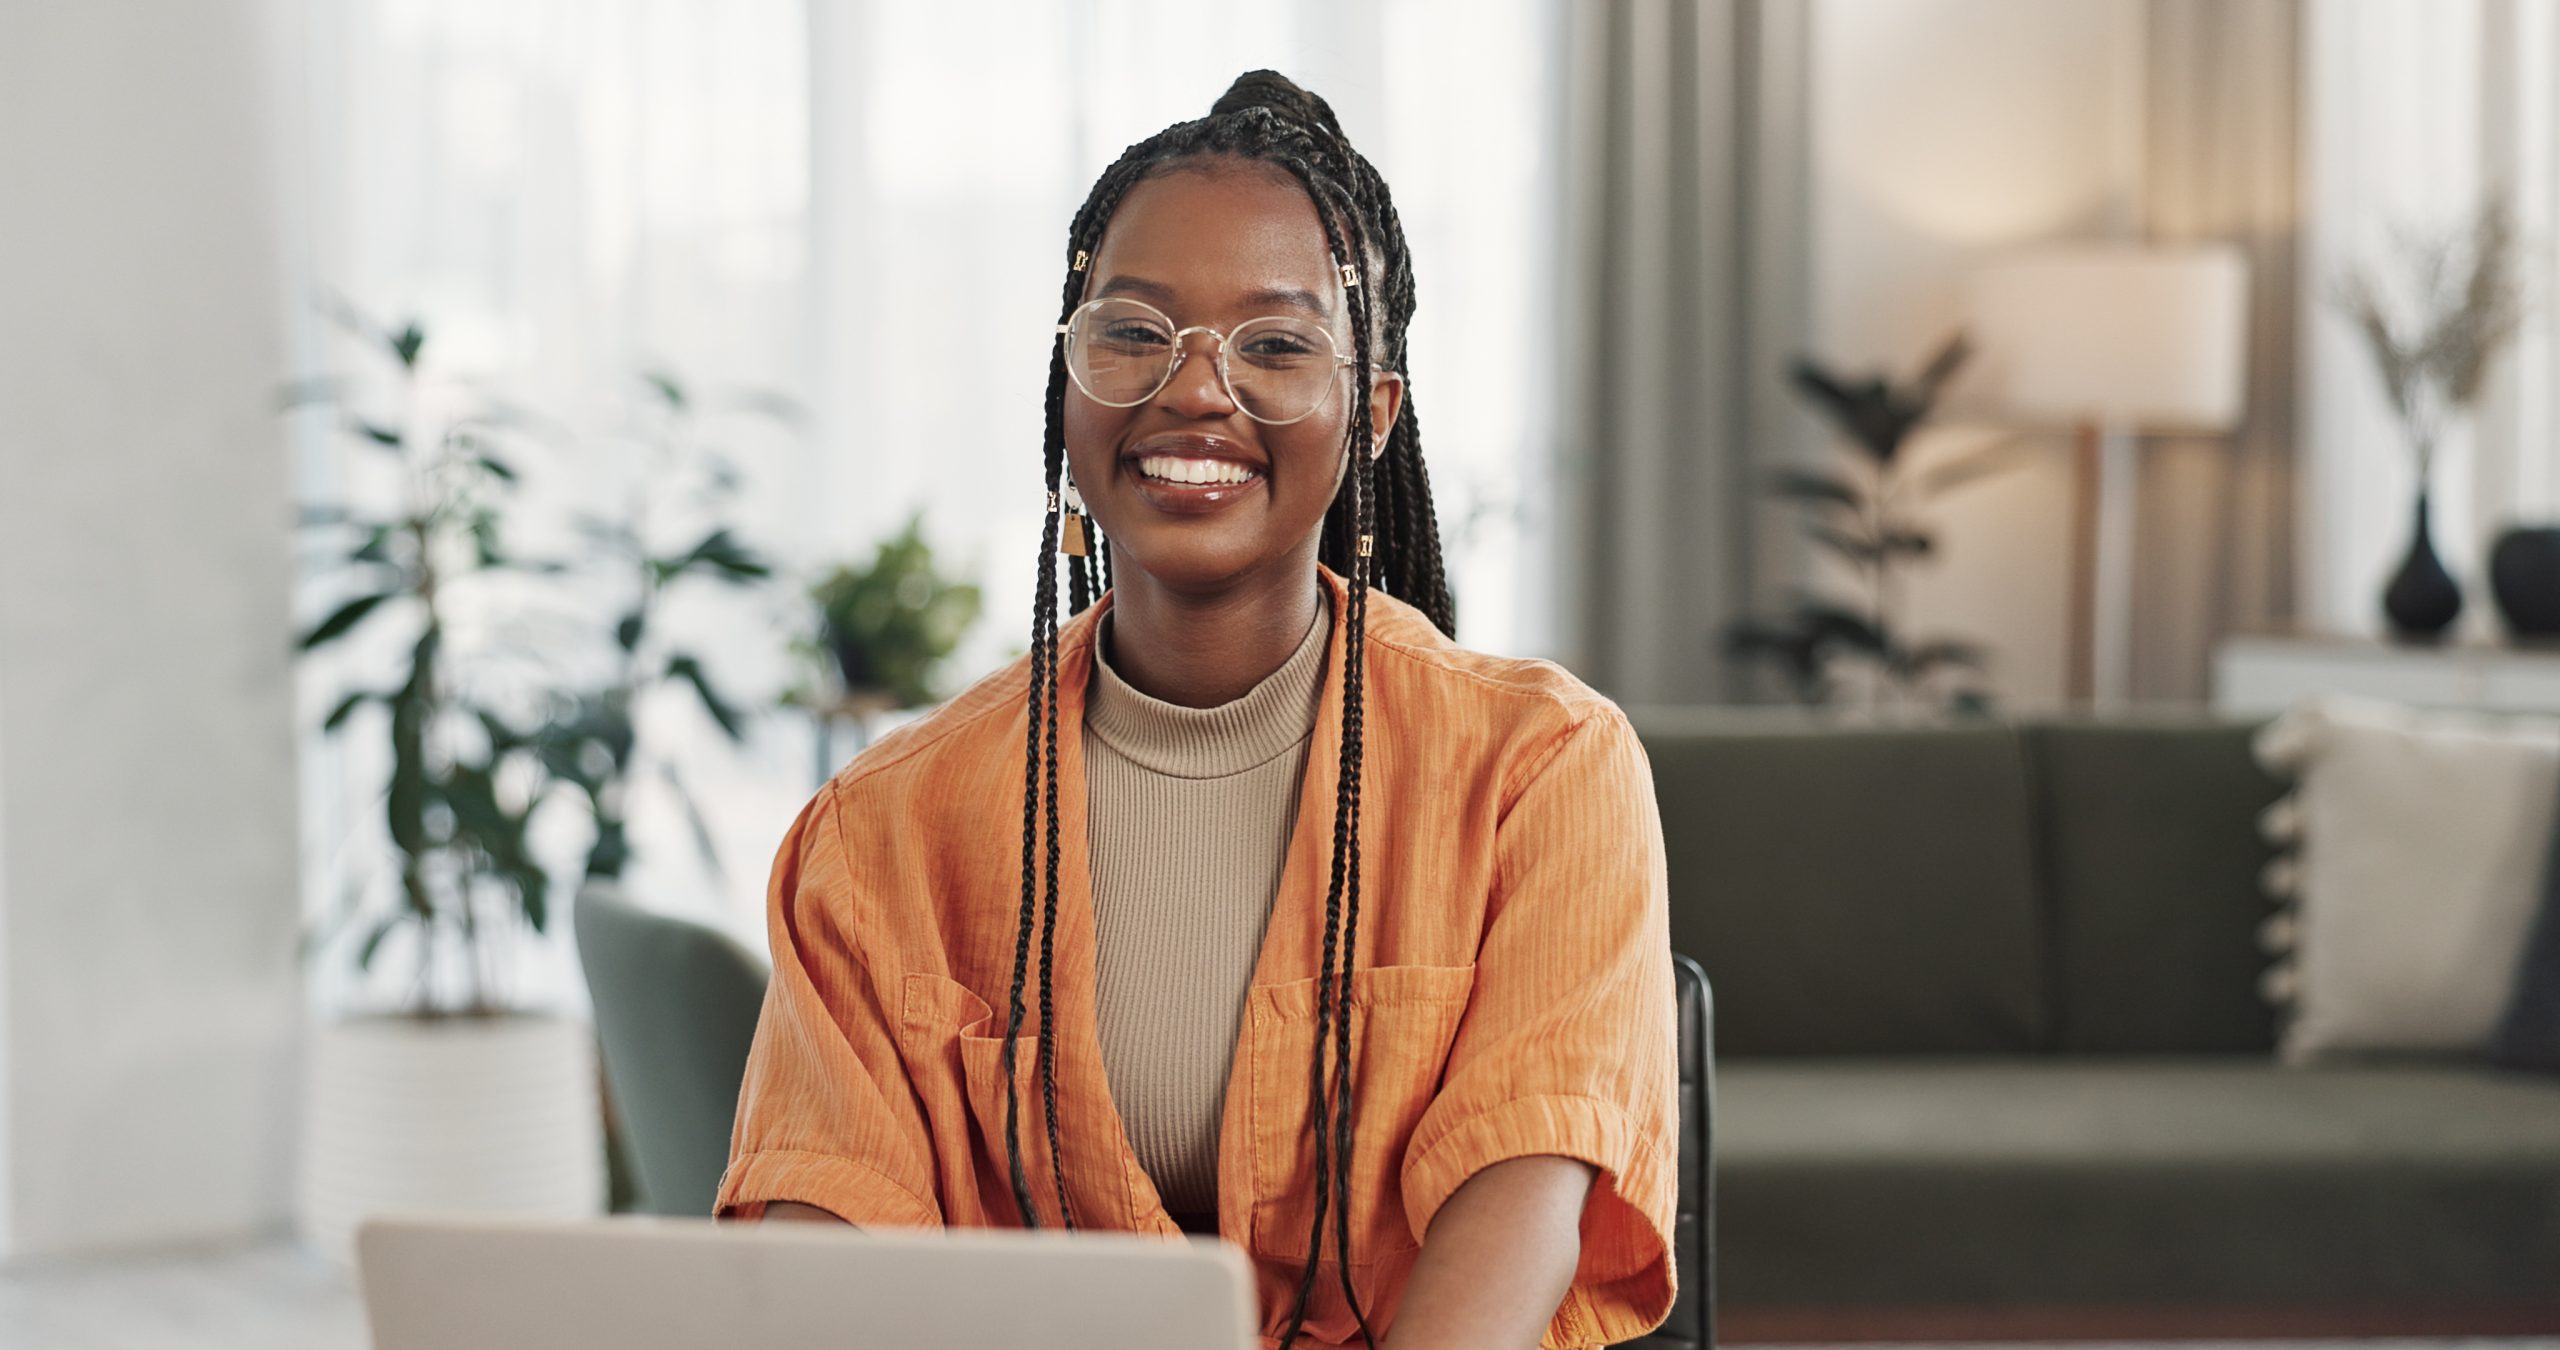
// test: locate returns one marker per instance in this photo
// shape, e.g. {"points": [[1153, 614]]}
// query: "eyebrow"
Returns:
{"points": [[1289, 296]]}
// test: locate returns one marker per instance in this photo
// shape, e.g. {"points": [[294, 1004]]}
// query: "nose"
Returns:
{"points": [[1195, 389]]}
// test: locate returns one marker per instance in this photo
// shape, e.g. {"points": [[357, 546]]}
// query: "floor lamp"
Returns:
{"points": [[2114, 342]]}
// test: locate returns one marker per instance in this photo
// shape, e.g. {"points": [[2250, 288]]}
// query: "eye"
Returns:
{"points": [[1278, 345], [1133, 333]]}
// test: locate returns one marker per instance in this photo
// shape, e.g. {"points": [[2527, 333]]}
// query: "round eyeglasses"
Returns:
{"points": [[1277, 369]]}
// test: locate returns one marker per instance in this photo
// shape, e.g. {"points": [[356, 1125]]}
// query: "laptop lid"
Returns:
{"points": [[647, 1283]]}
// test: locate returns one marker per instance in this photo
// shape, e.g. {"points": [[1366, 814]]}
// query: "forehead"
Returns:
{"points": [[1214, 236]]}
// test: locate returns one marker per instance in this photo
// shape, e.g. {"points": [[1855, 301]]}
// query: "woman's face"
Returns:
{"points": [[1216, 242]]}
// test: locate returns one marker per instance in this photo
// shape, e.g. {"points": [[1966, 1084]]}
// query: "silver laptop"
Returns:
{"points": [[631, 1283]]}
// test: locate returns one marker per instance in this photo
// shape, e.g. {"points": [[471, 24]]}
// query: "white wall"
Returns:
{"points": [[1945, 131], [147, 892]]}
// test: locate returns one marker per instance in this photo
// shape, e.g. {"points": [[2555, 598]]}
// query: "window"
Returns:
{"points": [[572, 190]]}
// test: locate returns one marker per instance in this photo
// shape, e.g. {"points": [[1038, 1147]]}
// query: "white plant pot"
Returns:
{"points": [[453, 1115]]}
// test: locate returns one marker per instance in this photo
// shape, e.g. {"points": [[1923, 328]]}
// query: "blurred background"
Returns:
{"points": [[459, 458]]}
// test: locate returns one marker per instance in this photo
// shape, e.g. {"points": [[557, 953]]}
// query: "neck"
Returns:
{"points": [[1200, 649]]}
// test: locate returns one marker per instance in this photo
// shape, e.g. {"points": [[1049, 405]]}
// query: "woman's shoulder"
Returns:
{"points": [[989, 709], [1430, 666]]}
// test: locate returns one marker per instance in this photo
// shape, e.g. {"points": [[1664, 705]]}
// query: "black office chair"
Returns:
{"points": [[1692, 1324], [676, 1006]]}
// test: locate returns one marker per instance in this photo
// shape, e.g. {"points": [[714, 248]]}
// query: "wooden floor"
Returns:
{"points": [[272, 1296]]}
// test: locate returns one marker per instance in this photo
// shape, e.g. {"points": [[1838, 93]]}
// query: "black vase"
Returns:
{"points": [[2422, 600], [2524, 575]]}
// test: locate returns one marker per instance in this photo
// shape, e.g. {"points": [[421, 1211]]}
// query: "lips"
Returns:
{"points": [[1185, 473]]}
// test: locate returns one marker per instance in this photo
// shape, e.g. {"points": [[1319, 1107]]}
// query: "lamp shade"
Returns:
{"points": [[2147, 339]]}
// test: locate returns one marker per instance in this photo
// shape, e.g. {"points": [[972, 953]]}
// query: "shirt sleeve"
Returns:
{"points": [[1569, 1042], [825, 1115]]}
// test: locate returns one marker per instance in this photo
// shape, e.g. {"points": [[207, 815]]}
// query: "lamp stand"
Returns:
{"points": [[2105, 480]]}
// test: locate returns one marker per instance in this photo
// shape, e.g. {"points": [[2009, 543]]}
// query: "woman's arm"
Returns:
{"points": [[794, 1210], [1498, 1258]]}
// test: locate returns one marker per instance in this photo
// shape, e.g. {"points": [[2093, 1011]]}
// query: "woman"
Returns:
{"points": [[1467, 1082]]}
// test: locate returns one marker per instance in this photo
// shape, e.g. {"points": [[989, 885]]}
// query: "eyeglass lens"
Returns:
{"points": [[1278, 368]]}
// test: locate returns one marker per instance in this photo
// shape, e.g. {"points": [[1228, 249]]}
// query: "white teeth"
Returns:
{"points": [[1177, 469]]}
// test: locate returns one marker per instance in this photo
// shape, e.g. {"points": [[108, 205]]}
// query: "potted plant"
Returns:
{"points": [[2469, 303], [590, 740], [448, 1095], [1856, 510], [882, 634]]}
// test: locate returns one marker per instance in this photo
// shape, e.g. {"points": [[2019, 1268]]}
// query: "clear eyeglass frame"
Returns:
{"points": [[1182, 352]]}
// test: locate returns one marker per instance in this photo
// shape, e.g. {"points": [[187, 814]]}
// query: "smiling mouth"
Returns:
{"points": [[1191, 471]]}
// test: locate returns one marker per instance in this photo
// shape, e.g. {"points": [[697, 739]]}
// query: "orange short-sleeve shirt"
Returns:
{"points": [[1511, 993]]}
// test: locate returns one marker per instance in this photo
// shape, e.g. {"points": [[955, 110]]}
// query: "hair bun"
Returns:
{"points": [[1282, 96]]}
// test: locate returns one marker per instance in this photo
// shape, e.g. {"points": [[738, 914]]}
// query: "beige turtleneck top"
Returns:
{"points": [[1188, 823]]}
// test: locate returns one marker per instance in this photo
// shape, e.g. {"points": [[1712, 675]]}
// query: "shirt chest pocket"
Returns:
{"points": [[954, 1045], [1403, 1022]]}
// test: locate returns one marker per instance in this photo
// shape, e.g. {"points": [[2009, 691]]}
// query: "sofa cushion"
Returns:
{"points": [[2149, 856], [2134, 1179], [1851, 891], [2423, 835]]}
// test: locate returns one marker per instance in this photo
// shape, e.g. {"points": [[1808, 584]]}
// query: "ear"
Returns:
{"points": [[1386, 403]]}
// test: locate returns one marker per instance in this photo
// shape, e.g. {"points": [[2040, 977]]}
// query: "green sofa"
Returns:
{"points": [[1988, 1035]]}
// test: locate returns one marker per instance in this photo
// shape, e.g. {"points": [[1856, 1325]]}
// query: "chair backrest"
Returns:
{"points": [[676, 1005], [1692, 1323]]}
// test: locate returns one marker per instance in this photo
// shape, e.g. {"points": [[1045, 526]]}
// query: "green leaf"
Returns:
{"points": [[406, 342], [720, 552], [346, 706], [406, 801], [379, 435], [533, 891], [627, 632], [685, 667], [666, 388], [481, 822], [1934, 374], [497, 467], [1832, 623], [376, 547], [382, 928], [1855, 547], [347, 616], [888, 625], [1813, 485], [611, 852]]}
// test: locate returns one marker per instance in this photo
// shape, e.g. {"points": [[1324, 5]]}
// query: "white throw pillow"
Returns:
{"points": [[2422, 842]]}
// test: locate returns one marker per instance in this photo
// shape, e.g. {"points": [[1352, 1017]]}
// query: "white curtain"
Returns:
{"points": [[2217, 527], [861, 205], [1683, 289]]}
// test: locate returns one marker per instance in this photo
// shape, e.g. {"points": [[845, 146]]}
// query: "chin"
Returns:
{"points": [[1170, 560]]}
